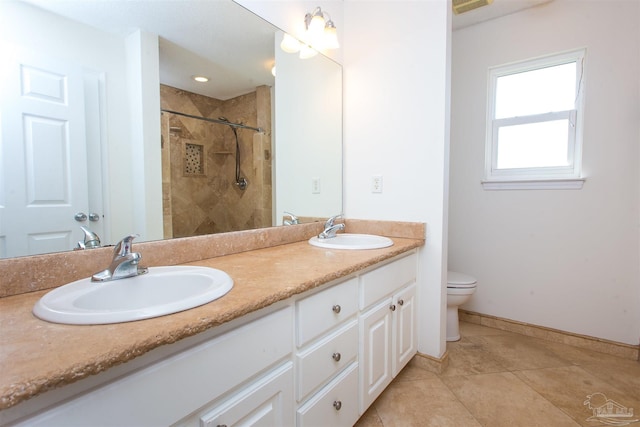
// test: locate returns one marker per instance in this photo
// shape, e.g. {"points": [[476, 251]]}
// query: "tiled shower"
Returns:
{"points": [[198, 163]]}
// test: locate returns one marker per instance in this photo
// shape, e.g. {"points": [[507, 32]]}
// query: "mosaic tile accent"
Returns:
{"points": [[193, 159]]}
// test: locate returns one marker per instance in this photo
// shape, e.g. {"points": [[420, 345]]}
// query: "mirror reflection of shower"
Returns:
{"points": [[241, 182], [200, 167]]}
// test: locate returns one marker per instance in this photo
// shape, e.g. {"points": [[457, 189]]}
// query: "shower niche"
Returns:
{"points": [[203, 161], [193, 159]]}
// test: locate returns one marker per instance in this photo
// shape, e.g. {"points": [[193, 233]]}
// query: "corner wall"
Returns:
{"points": [[564, 259], [396, 98]]}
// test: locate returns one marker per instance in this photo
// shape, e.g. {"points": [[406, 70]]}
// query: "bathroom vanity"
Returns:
{"points": [[307, 336]]}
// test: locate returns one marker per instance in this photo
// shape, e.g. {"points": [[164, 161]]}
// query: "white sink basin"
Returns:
{"points": [[352, 241], [163, 290]]}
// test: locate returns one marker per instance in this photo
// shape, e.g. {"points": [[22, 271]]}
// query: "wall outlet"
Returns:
{"points": [[376, 184], [315, 185]]}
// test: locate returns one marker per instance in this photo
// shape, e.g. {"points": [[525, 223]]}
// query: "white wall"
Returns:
{"points": [[565, 259], [396, 125], [143, 67], [395, 57], [309, 135]]}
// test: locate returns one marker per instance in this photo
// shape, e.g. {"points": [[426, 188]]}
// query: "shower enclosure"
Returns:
{"points": [[207, 159]]}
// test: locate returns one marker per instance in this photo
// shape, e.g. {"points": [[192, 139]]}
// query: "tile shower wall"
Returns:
{"points": [[198, 163]]}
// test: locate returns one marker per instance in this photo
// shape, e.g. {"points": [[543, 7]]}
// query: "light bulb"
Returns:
{"points": [[289, 44], [316, 26], [307, 51], [331, 36]]}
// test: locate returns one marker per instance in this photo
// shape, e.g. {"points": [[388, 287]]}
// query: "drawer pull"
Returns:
{"points": [[221, 425], [336, 308], [392, 307], [337, 404], [401, 301], [336, 356]]}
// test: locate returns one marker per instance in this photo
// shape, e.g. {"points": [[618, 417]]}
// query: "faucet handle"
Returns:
{"points": [[331, 221], [293, 219], [123, 248], [91, 239]]}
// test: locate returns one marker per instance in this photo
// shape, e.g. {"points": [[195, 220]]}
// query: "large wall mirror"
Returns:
{"points": [[103, 126]]}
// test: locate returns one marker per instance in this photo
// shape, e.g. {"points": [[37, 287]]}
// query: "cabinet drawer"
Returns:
{"points": [[385, 280], [322, 311], [317, 364], [335, 405]]}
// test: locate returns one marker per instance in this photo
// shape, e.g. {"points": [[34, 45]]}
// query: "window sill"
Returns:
{"points": [[535, 184]]}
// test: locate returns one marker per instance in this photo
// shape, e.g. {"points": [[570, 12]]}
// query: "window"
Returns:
{"points": [[534, 123]]}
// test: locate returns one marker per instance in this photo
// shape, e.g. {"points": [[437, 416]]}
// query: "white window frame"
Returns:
{"points": [[564, 177]]}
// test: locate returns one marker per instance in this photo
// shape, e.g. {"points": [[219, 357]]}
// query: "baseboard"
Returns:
{"points": [[430, 363], [626, 351]]}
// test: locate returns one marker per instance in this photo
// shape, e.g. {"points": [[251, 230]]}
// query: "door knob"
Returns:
{"points": [[94, 217], [80, 217]]}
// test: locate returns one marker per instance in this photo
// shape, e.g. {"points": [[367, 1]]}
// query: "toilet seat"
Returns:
{"points": [[457, 280]]}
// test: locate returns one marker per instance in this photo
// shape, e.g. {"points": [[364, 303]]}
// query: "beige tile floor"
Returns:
{"points": [[497, 378]]}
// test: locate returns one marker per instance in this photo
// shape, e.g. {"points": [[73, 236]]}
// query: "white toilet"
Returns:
{"points": [[460, 287]]}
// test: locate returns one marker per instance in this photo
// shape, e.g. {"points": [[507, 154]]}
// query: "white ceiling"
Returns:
{"points": [[199, 37]]}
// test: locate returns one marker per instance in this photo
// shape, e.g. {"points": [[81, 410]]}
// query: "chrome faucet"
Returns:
{"points": [[124, 263], [91, 239], [330, 228], [292, 221]]}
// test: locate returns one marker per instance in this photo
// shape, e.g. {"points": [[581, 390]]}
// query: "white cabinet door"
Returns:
{"points": [[405, 333], [264, 403], [389, 341], [375, 355]]}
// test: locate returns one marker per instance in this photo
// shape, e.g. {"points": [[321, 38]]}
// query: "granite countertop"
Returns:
{"points": [[37, 356]]}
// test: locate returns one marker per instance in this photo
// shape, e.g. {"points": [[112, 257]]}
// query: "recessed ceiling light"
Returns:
{"points": [[201, 79]]}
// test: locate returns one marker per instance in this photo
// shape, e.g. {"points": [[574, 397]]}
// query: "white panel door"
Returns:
{"points": [[406, 335], [375, 353], [44, 158]]}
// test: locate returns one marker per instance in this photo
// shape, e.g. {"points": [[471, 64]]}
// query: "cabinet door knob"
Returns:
{"points": [[401, 301], [336, 356], [392, 307], [337, 404], [336, 308]]}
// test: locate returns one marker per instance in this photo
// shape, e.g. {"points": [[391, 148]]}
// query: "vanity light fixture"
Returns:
{"points": [[200, 79], [320, 33]]}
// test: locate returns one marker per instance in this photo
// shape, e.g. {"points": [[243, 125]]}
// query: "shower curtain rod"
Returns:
{"points": [[222, 122]]}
